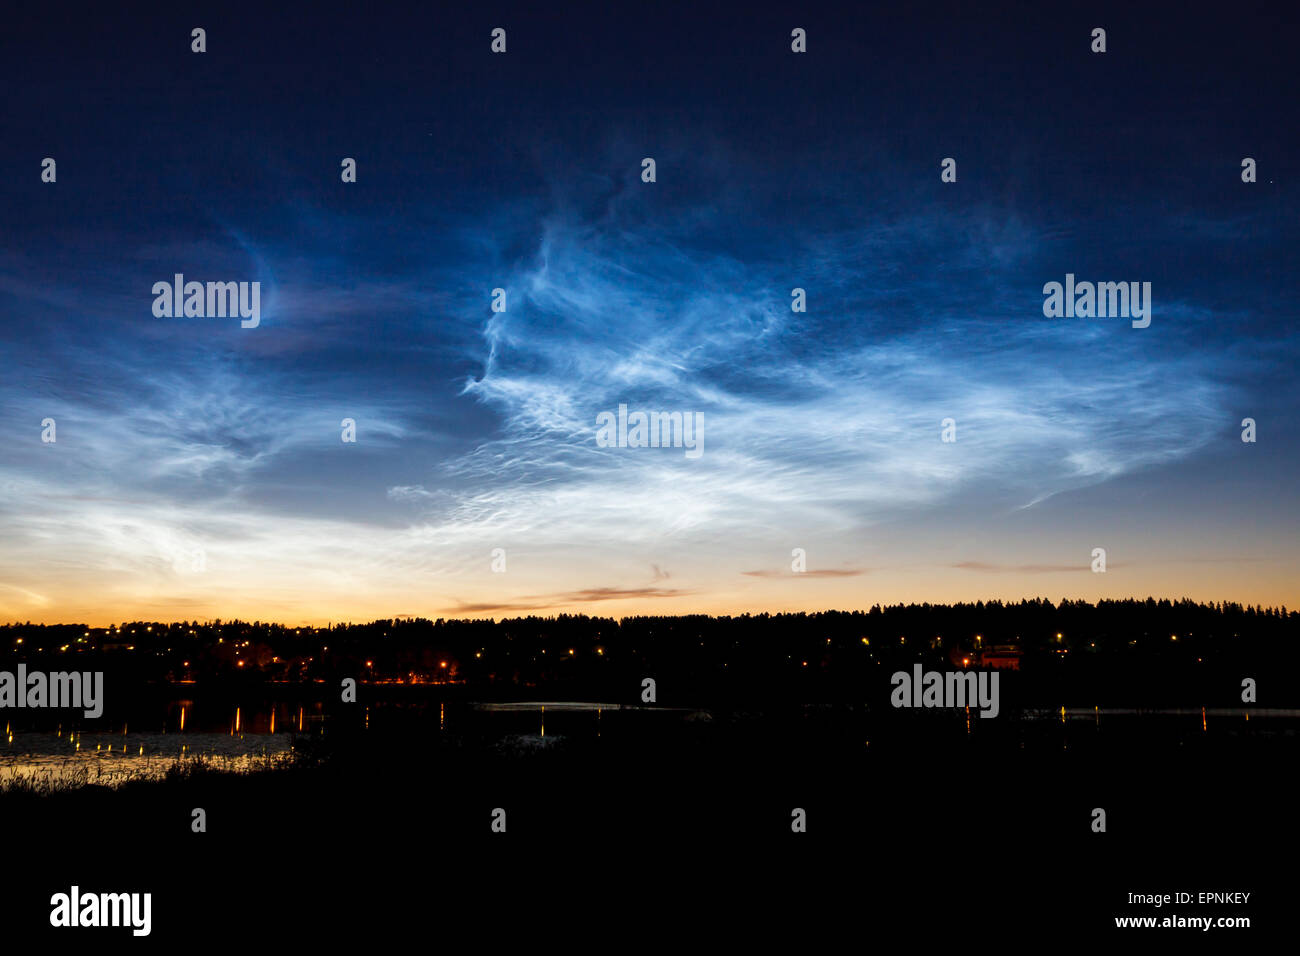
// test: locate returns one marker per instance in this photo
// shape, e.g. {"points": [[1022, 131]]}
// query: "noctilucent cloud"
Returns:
{"points": [[199, 469]]}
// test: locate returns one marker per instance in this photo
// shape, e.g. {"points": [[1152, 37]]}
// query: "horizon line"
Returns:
{"points": [[1269, 609]]}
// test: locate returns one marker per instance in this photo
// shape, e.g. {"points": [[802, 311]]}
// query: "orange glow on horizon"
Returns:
{"points": [[258, 592]]}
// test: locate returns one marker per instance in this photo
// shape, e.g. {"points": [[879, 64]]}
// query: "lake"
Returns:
{"points": [[148, 738]]}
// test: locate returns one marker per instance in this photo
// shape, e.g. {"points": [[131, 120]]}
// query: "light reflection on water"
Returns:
{"points": [[96, 753], [228, 739], [111, 759], [231, 740]]}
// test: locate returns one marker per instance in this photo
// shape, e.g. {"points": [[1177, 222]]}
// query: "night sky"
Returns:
{"points": [[775, 170]]}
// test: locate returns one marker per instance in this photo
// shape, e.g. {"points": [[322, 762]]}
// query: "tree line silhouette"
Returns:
{"points": [[1148, 651]]}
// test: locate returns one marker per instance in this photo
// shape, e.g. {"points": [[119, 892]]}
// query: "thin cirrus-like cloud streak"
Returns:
{"points": [[1026, 568], [548, 602], [815, 573]]}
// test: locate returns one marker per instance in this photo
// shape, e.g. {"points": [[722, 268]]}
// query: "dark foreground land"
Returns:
{"points": [[673, 829], [683, 840]]}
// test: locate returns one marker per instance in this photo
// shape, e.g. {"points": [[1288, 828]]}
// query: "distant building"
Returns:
{"points": [[1004, 657]]}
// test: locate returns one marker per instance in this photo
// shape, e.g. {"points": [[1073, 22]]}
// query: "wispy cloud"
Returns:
{"points": [[477, 429], [548, 602], [1024, 568], [815, 573]]}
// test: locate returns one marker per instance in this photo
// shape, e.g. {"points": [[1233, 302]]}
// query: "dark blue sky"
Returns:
{"points": [[775, 170]]}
